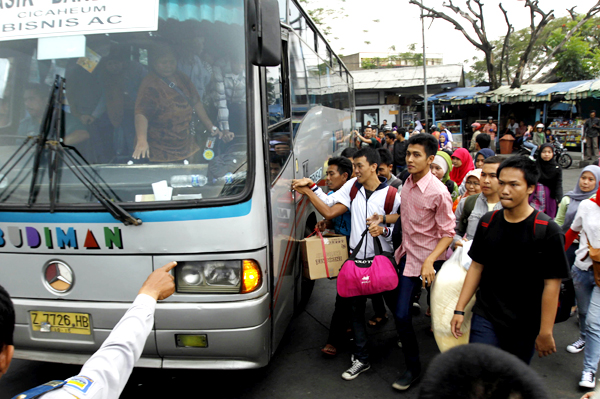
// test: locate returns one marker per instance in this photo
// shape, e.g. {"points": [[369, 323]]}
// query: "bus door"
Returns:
{"points": [[283, 210]]}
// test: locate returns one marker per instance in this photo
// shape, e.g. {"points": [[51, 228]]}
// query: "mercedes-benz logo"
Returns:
{"points": [[58, 276]]}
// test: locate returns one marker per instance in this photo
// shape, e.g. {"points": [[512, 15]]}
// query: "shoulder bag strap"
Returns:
{"points": [[390, 198], [357, 248], [173, 86]]}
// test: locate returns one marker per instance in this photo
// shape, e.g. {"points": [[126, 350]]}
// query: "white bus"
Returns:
{"points": [[134, 133]]}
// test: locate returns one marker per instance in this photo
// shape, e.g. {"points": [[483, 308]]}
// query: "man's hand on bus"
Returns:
{"points": [[161, 283], [304, 182], [304, 190], [142, 150], [87, 119]]}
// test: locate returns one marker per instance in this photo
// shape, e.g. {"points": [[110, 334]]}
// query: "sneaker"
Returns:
{"points": [[532, 158], [405, 381], [588, 380], [576, 346], [354, 370]]}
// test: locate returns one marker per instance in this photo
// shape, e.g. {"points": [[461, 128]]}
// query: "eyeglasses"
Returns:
{"points": [[471, 183]]}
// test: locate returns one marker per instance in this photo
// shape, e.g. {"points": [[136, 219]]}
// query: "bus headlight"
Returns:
{"points": [[218, 277]]}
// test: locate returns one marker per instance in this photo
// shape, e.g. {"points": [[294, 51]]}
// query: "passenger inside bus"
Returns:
{"points": [[122, 79], [164, 109]]}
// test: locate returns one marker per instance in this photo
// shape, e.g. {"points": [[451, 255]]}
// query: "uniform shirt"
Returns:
{"points": [[105, 374], [587, 221], [362, 208], [427, 217], [514, 270]]}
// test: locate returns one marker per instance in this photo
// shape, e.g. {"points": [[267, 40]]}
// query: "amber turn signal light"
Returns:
{"points": [[252, 276]]}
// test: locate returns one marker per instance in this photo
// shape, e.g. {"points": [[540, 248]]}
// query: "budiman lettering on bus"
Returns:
{"points": [[59, 237]]}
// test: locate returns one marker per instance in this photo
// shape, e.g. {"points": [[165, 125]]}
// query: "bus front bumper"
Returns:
{"points": [[237, 334]]}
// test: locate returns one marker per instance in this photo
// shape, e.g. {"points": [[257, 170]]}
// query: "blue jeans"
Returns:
{"points": [[359, 326], [529, 144], [584, 283], [484, 332], [592, 342], [403, 317]]}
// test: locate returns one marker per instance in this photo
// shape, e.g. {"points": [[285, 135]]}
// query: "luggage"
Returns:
{"points": [[361, 277]]}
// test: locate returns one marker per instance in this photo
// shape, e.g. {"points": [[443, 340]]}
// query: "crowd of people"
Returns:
{"points": [[445, 199]]}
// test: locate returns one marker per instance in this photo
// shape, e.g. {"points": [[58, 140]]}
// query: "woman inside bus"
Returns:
{"points": [[164, 108]]}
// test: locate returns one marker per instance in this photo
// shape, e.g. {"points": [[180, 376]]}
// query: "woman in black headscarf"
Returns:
{"points": [[550, 178]]}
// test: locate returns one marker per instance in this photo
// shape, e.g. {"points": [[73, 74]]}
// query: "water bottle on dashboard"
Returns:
{"points": [[188, 181]]}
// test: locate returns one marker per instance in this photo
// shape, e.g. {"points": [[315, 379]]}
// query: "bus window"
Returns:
{"points": [[275, 94], [280, 149], [140, 107], [324, 53], [283, 10]]}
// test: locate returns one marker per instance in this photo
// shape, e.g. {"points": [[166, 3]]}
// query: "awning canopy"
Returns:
{"points": [[459, 94], [526, 93]]}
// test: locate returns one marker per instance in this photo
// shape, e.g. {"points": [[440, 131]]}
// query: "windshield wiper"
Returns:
{"points": [[51, 131]]}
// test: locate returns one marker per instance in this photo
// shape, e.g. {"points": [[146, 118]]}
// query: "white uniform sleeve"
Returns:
{"points": [[105, 374], [341, 196]]}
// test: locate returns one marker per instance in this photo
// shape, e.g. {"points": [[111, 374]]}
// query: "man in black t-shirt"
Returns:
{"points": [[533, 268]]}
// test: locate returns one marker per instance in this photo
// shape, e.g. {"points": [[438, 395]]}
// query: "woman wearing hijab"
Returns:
{"points": [[550, 178], [586, 187], [441, 168], [472, 187], [479, 158], [463, 164]]}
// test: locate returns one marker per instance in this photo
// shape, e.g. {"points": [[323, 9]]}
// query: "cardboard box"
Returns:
{"points": [[336, 249]]}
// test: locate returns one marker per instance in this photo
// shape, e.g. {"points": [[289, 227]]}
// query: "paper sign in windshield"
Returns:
{"points": [[27, 19]]}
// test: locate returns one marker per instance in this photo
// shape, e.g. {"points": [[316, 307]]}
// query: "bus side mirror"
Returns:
{"points": [[264, 32]]}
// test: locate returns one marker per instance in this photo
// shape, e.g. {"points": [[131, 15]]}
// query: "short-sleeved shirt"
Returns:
{"points": [[514, 270], [373, 144], [169, 115], [586, 221]]}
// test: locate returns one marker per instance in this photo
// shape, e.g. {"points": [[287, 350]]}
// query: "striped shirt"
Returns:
{"points": [[427, 217]]}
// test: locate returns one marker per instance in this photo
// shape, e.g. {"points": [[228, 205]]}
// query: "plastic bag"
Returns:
{"points": [[444, 296]]}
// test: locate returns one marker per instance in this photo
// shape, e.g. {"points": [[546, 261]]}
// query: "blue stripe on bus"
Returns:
{"points": [[150, 216]]}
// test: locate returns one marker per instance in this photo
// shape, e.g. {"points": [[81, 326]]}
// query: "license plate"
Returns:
{"points": [[68, 323]]}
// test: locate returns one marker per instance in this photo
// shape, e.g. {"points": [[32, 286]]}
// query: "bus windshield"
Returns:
{"points": [[154, 115]]}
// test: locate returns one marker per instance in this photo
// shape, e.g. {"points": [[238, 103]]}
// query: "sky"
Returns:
{"points": [[400, 25]]}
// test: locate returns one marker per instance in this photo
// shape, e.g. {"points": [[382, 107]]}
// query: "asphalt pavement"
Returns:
{"points": [[299, 371]]}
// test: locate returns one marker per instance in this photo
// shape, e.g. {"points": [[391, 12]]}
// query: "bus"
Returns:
{"points": [[137, 133]]}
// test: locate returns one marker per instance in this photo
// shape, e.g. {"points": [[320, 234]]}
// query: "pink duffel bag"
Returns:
{"points": [[367, 276]]}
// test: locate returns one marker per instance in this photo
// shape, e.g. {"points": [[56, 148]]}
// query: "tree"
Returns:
{"points": [[322, 16], [539, 20], [576, 60]]}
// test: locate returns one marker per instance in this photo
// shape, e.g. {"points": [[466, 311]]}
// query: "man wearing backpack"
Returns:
{"points": [[533, 268], [364, 195], [472, 208]]}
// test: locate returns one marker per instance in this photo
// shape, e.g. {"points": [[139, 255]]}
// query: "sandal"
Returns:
{"points": [[375, 323], [329, 350]]}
